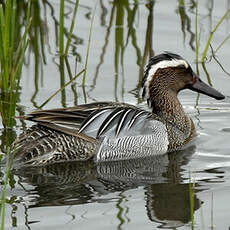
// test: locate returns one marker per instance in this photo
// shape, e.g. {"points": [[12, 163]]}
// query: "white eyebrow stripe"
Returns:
{"points": [[162, 65]]}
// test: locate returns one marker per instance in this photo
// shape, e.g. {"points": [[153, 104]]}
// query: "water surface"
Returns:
{"points": [[148, 194]]}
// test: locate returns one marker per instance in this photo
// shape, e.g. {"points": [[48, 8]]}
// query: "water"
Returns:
{"points": [[147, 194]]}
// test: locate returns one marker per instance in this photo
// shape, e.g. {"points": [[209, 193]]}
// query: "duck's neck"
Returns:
{"points": [[166, 105]]}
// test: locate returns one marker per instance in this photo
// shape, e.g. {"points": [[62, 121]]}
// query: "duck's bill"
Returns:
{"points": [[201, 87]]}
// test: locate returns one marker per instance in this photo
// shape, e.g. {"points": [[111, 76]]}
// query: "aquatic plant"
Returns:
{"points": [[5, 183], [11, 58], [191, 199], [59, 90], [211, 35], [88, 46], [62, 50], [208, 44]]}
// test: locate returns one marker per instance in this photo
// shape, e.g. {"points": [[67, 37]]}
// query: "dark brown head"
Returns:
{"points": [[170, 72]]}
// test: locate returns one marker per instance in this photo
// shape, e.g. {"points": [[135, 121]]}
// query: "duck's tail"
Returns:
{"points": [[41, 146]]}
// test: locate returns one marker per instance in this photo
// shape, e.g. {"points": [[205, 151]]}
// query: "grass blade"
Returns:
{"points": [[88, 47], [71, 28], [61, 28], [5, 183], [191, 199], [222, 43], [211, 34], [7, 28], [2, 56], [18, 68], [11, 35], [11, 58], [197, 40], [63, 87]]}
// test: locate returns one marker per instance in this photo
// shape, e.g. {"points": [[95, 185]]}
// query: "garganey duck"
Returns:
{"points": [[107, 131]]}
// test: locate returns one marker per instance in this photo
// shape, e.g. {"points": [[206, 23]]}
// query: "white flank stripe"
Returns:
{"points": [[91, 120], [108, 122], [122, 120], [134, 118]]}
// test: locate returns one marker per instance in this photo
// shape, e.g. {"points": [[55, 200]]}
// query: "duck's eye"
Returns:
{"points": [[194, 78], [181, 67], [189, 69]]}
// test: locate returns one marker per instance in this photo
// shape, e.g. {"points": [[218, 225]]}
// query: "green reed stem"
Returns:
{"points": [[11, 58], [61, 28], [3, 196], [6, 35], [13, 16], [62, 88], [2, 56], [88, 47], [211, 34], [71, 27], [191, 198], [197, 40], [18, 67], [3, 201], [22, 43], [206, 72], [221, 44], [221, 66]]}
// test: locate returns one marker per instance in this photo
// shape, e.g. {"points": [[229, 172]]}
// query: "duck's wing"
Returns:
{"points": [[70, 120], [47, 141]]}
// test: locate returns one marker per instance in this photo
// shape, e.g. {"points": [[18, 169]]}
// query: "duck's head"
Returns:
{"points": [[170, 72]]}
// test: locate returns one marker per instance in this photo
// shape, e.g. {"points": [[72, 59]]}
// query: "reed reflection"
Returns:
{"points": [[125, 15]]}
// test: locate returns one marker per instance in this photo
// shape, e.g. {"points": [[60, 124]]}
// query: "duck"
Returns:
{"points": [[111, 131]]}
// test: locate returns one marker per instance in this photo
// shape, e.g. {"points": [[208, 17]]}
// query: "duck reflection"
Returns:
{"points": [[169, 204], [167, 198]]}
